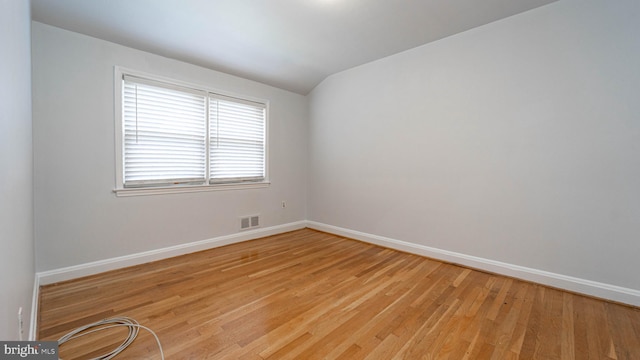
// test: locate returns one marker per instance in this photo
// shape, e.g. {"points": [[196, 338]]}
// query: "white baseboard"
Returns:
{"points": [[77, 271], [578, 285], [33, 325], [569, 283]]}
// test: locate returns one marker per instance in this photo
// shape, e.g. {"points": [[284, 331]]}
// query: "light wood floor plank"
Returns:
{"points": [[313, 295]]}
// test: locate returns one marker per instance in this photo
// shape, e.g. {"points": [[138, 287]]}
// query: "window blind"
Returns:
{"points": [[237, 140], [164, 133], [176, 135]]}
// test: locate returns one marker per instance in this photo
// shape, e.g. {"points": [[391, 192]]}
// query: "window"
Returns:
{"points": [[177, 136]]}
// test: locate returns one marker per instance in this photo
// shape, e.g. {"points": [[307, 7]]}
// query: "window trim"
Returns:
{"points": [[120, 190]]}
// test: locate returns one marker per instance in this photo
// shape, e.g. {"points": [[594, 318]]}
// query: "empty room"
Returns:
{"points": [[320, 179]]}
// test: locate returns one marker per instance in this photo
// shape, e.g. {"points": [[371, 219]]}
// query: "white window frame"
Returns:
{"points": [[120, 190]]}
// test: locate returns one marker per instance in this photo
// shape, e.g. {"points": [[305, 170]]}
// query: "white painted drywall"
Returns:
{"points": [[17, 270], [518, 142], [78, 219]]}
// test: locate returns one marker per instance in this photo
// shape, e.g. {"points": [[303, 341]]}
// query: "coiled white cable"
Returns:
{"points": [[133, 326]]}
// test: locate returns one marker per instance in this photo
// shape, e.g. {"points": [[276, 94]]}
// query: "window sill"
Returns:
{"points": [[160, 190]]}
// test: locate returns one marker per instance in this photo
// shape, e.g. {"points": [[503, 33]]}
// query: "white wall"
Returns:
{"points": [[78, 219], [16, 174], [516, 142]]}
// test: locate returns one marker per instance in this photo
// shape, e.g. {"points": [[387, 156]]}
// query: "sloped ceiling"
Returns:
{"points": [[290, 44]]}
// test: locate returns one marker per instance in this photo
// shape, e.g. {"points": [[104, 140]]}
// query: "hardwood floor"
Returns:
{"points": [[312, 295]]}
